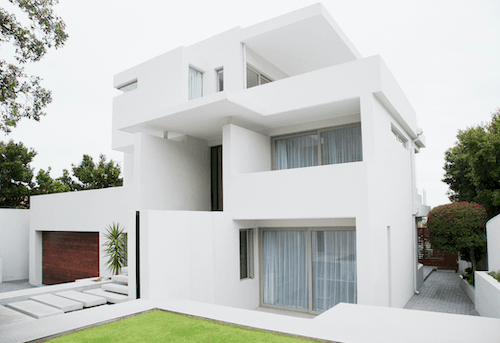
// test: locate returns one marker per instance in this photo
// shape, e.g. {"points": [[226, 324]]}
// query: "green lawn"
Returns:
{"points": [[161, 326]]}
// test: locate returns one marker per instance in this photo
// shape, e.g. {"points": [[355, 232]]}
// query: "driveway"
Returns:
{"points": [[441, 292]]}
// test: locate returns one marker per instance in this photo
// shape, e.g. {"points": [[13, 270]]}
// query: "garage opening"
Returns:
{"points": [[68, 256]]}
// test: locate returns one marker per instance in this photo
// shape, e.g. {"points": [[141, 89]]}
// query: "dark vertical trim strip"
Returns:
{"points": [[137, 255]]}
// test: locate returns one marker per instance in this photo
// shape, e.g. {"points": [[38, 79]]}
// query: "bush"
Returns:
{"points": [[459, 227], [495, 275]]}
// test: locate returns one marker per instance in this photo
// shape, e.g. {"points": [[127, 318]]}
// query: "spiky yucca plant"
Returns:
{"points": [[115, 247]]}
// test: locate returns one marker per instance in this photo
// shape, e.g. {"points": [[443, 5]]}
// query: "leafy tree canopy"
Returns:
{"points": [[22, 96], [472, 166], [459, 227], [90, 175], [47, 185], [16, 175]]}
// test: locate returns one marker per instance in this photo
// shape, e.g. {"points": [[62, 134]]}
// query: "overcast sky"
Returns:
{"points": [[445, 54]]}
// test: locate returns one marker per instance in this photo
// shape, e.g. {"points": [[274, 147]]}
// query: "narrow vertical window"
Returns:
{"points": [[246, 254], [220, 80], [195, 83]]}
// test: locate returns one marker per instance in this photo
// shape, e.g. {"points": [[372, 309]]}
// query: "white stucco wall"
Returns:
{"points": [[14, 244], [384, 230], [493, 241], [172, 175], [194, 255], [83, 211]]}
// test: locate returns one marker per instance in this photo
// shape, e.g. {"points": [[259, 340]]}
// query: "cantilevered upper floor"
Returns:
{"points": [[262, 76]]}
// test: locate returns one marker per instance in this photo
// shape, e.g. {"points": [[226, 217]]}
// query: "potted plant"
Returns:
{"points": [[115, 248]]}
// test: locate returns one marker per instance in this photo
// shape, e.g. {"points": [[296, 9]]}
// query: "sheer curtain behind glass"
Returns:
{"points": [[333, 268], [341, 146], [296, 152], [285, 269], [195, 84]]}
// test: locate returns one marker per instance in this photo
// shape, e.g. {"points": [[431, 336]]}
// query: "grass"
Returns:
{"points": [[161, 326]]}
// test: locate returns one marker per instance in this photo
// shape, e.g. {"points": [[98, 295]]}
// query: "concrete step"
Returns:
{"points": [[61, 303], [10, 316], [116, 288], [120, 279], [88, 300], [34, 309], [111, 297]]}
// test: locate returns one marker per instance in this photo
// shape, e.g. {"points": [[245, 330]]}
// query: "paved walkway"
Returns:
{"points": [[441, 292], [8, 286]]}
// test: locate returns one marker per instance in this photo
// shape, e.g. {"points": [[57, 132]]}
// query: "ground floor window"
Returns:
{"points": [[246, 254], [308, 269]]}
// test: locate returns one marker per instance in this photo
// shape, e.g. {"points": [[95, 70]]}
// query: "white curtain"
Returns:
{"points": [[333, 268], [195, 84], [341, 146], [296, 152], [285, 269]]}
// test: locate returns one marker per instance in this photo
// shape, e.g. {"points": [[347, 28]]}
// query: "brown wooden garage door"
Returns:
{"points": [[68, 256]]}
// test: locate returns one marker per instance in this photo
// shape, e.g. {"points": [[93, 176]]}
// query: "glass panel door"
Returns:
{"points": [[334, 277], [285, 269]]}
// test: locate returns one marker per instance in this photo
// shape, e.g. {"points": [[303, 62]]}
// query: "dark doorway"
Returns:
{"points": [[216, 177]]}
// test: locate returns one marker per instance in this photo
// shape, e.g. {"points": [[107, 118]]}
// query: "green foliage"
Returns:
{"points": [[93, 176], [47, 185], [495, 275], [22, 96], [459, 227], [472, 166], [469, 275], [115, 247], [16, 175]]}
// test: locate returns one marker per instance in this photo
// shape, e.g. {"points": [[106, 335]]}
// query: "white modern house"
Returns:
{"points": [[267, 166]]}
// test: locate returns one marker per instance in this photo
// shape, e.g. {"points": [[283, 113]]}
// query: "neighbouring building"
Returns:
{"points": [[266, 166]]}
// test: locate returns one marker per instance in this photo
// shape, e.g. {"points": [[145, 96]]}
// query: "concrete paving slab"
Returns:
{"points": [[45, 328], [9, 316], [88, 300], [61, 303], [115, 288], [120, 279], [111, 297], [34, 309]]}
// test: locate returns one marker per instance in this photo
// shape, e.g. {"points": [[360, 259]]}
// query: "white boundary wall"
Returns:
{"points": [[493, 236], [83, 211], [487, 297], [14, 244]]}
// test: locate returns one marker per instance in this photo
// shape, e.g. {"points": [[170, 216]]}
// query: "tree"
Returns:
{"points": [[459, 227], [47, 185], [93, 176], [472, 166], [22, 96], [16, 175]]}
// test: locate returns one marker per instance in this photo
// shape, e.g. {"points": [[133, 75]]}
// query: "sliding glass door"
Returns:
{"points": [[308, 269], [285, 269]]}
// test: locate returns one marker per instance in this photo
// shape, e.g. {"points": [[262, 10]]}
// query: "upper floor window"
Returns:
{"points": [[220, 79], [195, 83], [319, 147], [255, 78], [399, 136], [128, 86]]}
